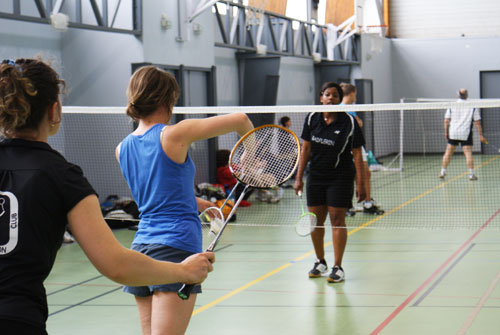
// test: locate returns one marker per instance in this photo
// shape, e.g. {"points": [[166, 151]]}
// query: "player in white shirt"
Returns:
{"points": [[458, 131]]}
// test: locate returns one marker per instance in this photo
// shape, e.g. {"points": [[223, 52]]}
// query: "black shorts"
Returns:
{"points": [[458, 142], [333, 193]]}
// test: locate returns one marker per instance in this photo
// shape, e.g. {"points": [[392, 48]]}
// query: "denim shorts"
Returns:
{"points": [[162, 253]]}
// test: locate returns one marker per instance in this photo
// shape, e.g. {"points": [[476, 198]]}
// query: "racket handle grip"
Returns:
{"points": [[185, 291]]}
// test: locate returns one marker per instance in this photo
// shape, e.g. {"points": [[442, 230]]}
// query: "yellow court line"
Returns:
{"points": [[284, 266]]}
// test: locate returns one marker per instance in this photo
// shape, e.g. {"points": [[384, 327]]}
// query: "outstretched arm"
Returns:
{"points": [[177, 138], [123, 265]]}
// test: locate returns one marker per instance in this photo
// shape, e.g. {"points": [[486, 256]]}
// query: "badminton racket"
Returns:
{"points": [[263, 158], [306, 223]]}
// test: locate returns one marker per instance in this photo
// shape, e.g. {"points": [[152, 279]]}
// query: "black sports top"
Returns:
{"points": [[38, 188], [331, 144]]}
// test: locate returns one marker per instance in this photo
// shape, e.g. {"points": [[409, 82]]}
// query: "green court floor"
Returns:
{"points": [[429, 265]]}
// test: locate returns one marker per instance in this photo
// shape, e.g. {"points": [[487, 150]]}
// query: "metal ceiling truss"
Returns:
{"points": [[101, 13], [271, 33]]}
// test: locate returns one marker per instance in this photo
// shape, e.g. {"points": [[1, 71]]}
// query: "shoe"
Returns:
{"points": [[263, 195], [318, 269], [442, 175], [472, 177], [245, 203], [273, 199], [68, 238], [337, 275], [370, 208], [350, 212]]}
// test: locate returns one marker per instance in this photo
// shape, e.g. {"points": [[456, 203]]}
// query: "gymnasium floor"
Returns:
{"points": [[430, 265]]}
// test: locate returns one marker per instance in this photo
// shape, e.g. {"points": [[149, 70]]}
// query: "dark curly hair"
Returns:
{"points": [[28, 87]]}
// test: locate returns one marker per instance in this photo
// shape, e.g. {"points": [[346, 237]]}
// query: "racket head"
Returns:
{"points": [[212, 221], [265, 157], [306, 224]]}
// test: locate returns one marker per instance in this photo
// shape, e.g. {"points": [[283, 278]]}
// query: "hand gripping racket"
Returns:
{"points": [[265, 157], [306, 224]]}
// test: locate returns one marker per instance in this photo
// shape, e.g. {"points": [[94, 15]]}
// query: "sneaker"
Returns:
{"points": [[337, 275], [319, 268], [373, 210], [442, 175], [472, 177], [350, 212], [263, 195], [68, 238]]}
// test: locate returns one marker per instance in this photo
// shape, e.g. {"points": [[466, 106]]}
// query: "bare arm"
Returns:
{"points": [[123, 265], [358, 163], [446, 128], [360, 122], [480, 130], [305, 152], [177, 138], [203, 204]]}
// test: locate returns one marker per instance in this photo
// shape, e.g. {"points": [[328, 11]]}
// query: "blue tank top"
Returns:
{"points": [[163, 191]]}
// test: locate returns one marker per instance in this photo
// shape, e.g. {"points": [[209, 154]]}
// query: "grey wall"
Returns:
{"points": [[97, 66], [25, 40], [438, 68]]}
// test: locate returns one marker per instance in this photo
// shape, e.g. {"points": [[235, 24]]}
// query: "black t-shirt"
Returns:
{"points": [[38, 188], [331, 145]]}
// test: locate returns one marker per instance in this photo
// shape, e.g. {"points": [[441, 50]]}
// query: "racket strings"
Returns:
{"points": [[266, 158]]}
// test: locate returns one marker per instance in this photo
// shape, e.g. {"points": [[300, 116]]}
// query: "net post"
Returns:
{"points": [[401, 136]]}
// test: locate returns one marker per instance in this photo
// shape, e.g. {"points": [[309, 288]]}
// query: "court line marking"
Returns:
{"points": [[431, 277], [284, 266], [448, 270], [74, 285], [472, 316], [84, 301]]}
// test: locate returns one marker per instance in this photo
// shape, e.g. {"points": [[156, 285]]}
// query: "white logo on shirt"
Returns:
{"points": [[12, 220], [322, 140], [337, 132]]}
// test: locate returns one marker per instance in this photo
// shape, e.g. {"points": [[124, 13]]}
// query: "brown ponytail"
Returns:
{"points": [[150, 88]]}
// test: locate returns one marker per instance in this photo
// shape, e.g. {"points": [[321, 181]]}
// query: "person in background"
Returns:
{"points": [[458, 131], [286, 122], [332, 143], [369, 205], [226, 178], [41, 194], [155, 162]]}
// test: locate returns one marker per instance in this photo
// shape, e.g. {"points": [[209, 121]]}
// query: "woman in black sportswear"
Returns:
{"points": [[330, 142]]}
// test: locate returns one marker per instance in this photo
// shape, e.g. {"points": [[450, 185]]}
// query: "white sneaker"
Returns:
{"points": [[472, 177], [68, 238], [442, 175]]}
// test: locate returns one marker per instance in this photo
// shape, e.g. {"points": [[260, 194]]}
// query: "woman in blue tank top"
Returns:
{"points": [[155, 162]]}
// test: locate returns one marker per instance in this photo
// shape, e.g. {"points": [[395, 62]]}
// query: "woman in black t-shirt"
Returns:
{"points": [[41, 193], [330, 141]]}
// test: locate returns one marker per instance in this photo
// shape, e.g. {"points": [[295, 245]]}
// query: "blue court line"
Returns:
{"points": [[436, 283]]}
